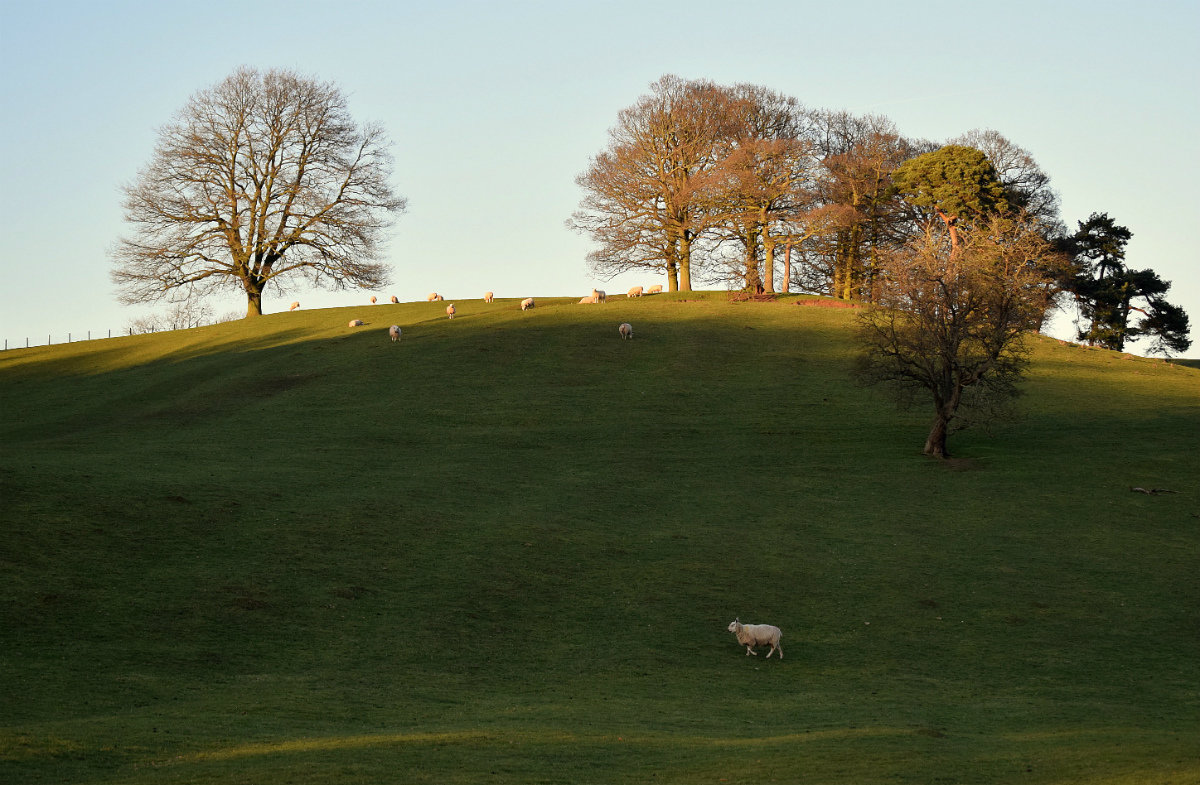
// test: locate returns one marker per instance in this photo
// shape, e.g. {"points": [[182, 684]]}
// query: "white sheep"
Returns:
{"points": [[655, 289], [433, 296], [587, 300], [751, 635], [626, 330], [294, 306], [356, 322], [395, 300], [599, 295], [394, 332], [527, 303], [488, 297], [450, 310], [634, 292]]}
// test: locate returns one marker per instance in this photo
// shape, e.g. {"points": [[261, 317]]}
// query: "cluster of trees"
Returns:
{"points": [[180, 316], [957, 248], [706, 183]]}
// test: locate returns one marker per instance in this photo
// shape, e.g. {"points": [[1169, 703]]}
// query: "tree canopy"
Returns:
{"points": [[955, 182], [259, 180]]}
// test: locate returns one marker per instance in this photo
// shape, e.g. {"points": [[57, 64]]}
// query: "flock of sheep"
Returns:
{"points": [[625, 329]]}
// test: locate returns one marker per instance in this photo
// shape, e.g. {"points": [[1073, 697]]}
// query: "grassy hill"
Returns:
{"points": [[507, 549]]}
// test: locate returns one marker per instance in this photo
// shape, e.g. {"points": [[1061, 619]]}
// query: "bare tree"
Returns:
{"points": [[860, 215], [950, 320], [1026, 184], [763, 184], [258, 180], [644, 200]]}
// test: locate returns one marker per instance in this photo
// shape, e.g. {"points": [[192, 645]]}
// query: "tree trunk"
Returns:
{"points": [[672, 277], [787, 268], [768, 266], [254, 292], [685, 264], [935, 445], [751, 276]]}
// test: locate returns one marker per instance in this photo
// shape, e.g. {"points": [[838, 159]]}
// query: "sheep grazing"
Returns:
{"points": [[488, 297], [599, 295], [450, 310], [655, 289], [433, 296], [626, 330], [394, 332], [527, 303], [634, 292], [751, 635], [395, 300], [294, 306], [373, 299], [356, 322], [587, 300]]}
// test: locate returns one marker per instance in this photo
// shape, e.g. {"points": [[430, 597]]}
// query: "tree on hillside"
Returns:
{"points": [[762, 186], [949, 320], [957, 183], [259, 180], [645, 201], [1108, 293], [861, 215]]}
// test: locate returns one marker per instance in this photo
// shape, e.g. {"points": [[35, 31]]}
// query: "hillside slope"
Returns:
{"points": [[506, 549]]}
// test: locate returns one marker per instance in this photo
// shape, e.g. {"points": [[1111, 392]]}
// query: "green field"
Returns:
{"points": [[507, 548]]}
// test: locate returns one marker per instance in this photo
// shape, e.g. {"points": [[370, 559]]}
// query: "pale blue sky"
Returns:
{"points": [[494, 108]]}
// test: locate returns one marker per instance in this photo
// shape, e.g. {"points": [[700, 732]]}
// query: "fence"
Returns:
{"points": [[71, 338]]}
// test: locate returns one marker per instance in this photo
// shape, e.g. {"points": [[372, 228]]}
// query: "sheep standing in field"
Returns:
{"points": [[751, 635], [527, 303], [394, 332], [587, 300], [626, 330], [395, 300], [634, 292], [655, 289], [356, 322], [434, 296], [294, 306], [599, 295], [488, 297], [450, 310]]}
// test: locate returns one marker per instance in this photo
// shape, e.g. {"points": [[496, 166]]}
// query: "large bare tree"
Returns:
{"points": [[259, 180], [763, 188], [645, 196], [950, 318], [862, 217]]}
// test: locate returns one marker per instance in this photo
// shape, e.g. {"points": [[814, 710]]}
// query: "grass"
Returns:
{"points": [[506, 550]]}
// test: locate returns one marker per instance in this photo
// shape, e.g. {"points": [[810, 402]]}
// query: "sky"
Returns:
{"points": [[495, 108]]}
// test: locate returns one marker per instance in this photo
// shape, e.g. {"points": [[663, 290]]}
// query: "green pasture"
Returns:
{"points": [[506, 550]]}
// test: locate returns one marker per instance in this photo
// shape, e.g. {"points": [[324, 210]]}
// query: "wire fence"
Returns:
{"points": [[71, 337]]}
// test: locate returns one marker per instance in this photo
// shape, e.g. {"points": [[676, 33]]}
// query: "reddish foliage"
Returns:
{"points": [[827, 303]]}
